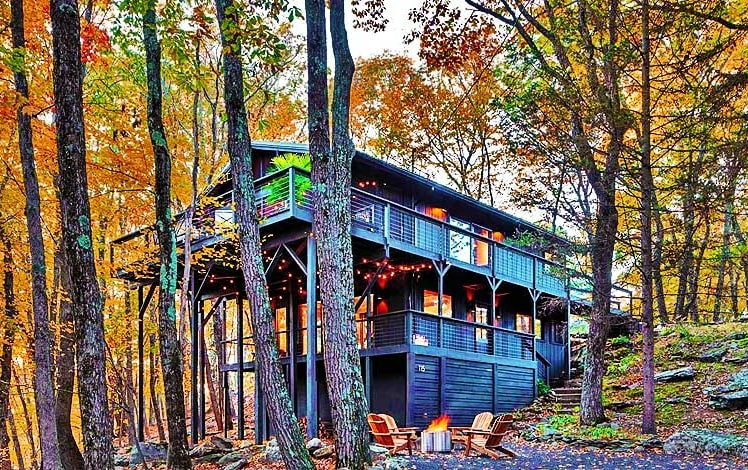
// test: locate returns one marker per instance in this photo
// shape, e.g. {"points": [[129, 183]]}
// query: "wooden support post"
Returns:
{"points": [[568, 334], [311, 334], [201, 362], [535, 295], [494, 284], [194, 354], [240, 367], [291, 322], [142, 307]]}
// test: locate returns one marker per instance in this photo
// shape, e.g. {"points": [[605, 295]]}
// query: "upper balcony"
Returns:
{"points": [[286, 195]]}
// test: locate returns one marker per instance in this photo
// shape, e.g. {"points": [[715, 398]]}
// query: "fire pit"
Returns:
{"points": [[437, 437]]}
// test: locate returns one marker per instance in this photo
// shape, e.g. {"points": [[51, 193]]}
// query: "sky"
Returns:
{"points": [[365, 44]]}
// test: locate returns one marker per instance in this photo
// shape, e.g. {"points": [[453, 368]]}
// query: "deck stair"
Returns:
{"points": [[568, 397]]}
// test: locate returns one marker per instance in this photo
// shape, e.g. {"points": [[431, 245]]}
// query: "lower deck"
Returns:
{"points": [[417, 388]]}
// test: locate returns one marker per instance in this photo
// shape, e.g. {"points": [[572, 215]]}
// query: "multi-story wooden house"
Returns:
{"points": [[447, 296]]}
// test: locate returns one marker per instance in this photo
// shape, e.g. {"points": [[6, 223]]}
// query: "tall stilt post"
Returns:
{"points": [[202, 367], [535, 295], [240, 367], [292, 328], [141, 374], [194, 338], [311, 335]]}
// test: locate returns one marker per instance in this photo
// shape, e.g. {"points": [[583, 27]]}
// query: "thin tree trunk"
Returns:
{"points": [[70, 454], [129, 383], [184, 301], [271, 379], [153, 384], [723, 258], [16, 441], [332, 227], [659, 238], [692, 294], [6, 354], [215, 405], [29, 425], [647, 195], [171, 354], [43, 389], [219, 326], [76, 230]]}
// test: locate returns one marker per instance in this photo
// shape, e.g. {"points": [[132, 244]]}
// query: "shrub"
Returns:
{"points": [[543, 388]]}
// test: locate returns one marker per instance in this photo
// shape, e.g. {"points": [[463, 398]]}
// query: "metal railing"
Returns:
{"points": [[371, 216], [412, 328]]}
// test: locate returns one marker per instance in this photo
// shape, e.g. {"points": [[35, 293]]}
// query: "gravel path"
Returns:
{"points": [[556, 456]]}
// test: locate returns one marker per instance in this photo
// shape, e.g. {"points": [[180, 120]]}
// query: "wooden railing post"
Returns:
{"points": [[409, 319], [292, 190], [386, 223]]}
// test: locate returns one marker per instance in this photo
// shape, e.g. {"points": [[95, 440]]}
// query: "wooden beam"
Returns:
{"points": [[274, 261], [240, 367], [370, 285], [142, 307], [311, 334], [296, 259]]}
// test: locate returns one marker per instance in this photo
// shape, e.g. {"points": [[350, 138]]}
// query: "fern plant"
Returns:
{"points": [[278, 188]]}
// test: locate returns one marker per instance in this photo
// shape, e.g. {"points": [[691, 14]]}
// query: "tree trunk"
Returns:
{"points": [[70, 454], [647, 195], [722, 268], [215, 405], [171, 353], [659, 238], [76, 231], [685, 268], [29, 425], [153, 385], [271, 379], [16, 442], [129, 384], [331, 174], [219, 327], [43, 389], [6, 354]]}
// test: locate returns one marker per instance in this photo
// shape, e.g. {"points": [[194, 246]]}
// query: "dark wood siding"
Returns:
{"points": [[388, 386], [514, 387], [554, 353], [468, 390], [424, 395]]}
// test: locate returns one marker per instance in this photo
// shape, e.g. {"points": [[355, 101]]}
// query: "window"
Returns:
{"points": [[224, 219], [431, 303], [523, 322], [302, 327], [481, 316], [361, 320], [281, 330]]}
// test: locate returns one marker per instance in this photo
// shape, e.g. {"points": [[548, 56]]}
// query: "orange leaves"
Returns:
{"points": [[94, 41]]}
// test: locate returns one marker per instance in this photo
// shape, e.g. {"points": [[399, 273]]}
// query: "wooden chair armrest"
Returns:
{"points": [[400, 433], [407, 429], [477, 432]]}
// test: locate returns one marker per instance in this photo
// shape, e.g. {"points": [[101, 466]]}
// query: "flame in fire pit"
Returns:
{"points": [[439, 424]]}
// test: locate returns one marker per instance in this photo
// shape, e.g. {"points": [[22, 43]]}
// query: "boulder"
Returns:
{"points": [[272, 453], [703, 441], [232, 457], [738, 335], [152, 452], [731, 396], [239, 464], [675, 375], [203, 449], [323, 453], [221, 442], [314, 444], [714, 354]]}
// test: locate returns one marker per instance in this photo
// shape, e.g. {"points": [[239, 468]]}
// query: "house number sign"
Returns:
{"points": [[421, 368]]}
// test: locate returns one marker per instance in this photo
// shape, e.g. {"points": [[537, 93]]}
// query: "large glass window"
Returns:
{"points": [[431, 303]]}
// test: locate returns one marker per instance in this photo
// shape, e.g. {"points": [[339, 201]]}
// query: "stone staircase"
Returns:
{"points": [[568, 396]]}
